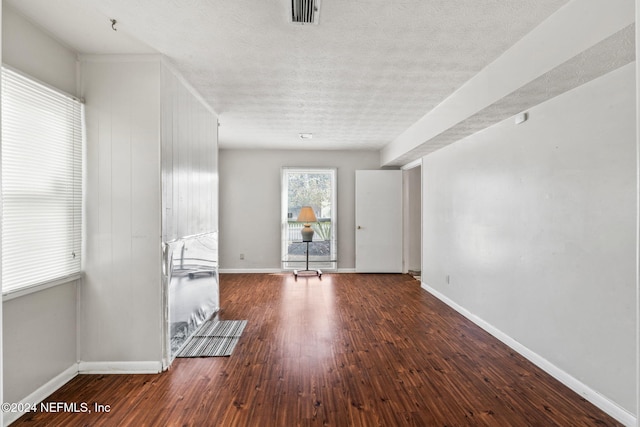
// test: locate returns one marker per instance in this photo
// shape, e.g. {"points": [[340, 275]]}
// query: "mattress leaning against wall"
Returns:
{"points": [[191, 277]]}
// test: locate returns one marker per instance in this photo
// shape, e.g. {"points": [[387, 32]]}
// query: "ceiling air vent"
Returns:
{"points": [[304, 11]]}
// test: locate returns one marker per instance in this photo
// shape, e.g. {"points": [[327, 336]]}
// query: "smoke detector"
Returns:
{"points": [[305, 11]]}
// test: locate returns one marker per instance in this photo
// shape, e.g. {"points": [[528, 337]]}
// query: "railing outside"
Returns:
{"points": [[294, 234], [321, 253], [294, 229]]}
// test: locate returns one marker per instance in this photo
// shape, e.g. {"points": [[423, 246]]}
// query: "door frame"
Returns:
{"points": [[407, 193], [284, 170]]}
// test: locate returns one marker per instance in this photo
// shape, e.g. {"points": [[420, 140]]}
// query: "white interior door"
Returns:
{"points": [[379, 221]]}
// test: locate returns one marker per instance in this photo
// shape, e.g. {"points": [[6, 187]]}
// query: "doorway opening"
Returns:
{"points": [[412, 229]]}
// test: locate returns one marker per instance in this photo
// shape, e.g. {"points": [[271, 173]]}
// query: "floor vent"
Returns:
{"points": [[305, 11]]}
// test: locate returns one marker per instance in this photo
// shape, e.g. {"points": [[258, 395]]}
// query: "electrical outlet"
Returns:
{"points": [[241, 256]]}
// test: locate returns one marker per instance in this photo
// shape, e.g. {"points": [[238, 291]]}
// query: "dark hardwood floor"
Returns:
{"points": [[344, 350]]}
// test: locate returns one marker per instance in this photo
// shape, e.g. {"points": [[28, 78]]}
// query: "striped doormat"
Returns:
{"points": [[221, 328], [214, 338]]}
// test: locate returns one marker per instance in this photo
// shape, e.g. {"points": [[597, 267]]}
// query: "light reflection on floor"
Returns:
{"points": [[307, 308]]}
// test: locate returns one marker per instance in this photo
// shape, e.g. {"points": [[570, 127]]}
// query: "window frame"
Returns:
{"points": [[330, 264], [71, 115]]}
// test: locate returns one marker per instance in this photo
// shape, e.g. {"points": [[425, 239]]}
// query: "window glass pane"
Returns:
{"points": [[41, 183], [315, 188]]}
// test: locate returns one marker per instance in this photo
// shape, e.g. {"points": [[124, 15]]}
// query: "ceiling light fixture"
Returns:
{"points": [[305, 135]]}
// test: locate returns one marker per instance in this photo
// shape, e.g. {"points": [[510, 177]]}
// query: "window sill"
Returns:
{"points": [[20, 292]]}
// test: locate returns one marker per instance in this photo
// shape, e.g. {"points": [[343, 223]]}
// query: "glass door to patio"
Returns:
{"points": [[315, 187]]}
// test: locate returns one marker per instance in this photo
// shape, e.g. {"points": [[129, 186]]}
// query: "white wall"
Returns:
{"points": [[151, 161], [121, 294], [535, 225], [32, 51], [1, 305], [189, 161], [637, 4], [45, 319], [189, 207], [250, 203], [49, 347]]}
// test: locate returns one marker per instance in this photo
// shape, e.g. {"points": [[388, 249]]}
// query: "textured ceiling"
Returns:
{"points": [[367, 72], [611, 53]]}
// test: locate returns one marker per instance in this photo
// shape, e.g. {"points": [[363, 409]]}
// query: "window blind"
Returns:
{"points": [[41, 183]]}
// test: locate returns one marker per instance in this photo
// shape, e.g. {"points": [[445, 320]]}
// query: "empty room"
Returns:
{"points": [[319, 212]]}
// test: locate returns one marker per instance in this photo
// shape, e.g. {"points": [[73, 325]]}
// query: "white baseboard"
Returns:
{"points": [[276, 270], [251, 270], [608, 406], [43, 392], [142, 367]]}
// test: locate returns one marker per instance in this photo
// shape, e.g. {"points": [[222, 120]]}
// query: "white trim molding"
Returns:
{"points": [[20, 292], [574, 384], [138, 367], [253, 270], [43, 392], [140, 57], [277, 271]]}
